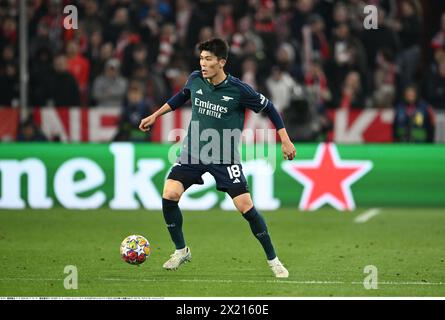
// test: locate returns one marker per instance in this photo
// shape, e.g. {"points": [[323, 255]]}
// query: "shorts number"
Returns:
{"points": [[234, 171]]}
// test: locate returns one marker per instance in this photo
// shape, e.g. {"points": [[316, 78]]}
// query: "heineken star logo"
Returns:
{"points": [[327, 179]]}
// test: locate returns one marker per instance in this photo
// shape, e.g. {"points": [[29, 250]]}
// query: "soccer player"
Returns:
{"points": [[218, 106]]}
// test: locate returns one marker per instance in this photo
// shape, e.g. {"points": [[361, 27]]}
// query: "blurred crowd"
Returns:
{"points": [[308, 56]]}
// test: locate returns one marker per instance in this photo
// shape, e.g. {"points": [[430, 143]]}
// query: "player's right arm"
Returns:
{"points": [[172, 104], [147, 122]]}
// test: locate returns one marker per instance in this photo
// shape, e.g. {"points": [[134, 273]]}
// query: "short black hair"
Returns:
{"points": [[217, 46]]}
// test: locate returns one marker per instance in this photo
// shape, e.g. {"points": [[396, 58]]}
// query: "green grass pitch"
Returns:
{"points": [[325, 251]]}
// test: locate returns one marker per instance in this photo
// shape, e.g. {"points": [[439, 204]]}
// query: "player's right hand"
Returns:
{"points": [[147, 122]]}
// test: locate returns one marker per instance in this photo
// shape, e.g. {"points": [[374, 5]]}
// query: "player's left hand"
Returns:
{"points": [[288, 150]]}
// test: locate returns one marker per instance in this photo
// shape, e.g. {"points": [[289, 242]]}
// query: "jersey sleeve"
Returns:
{"points": [[251, 99], [179, 99]]}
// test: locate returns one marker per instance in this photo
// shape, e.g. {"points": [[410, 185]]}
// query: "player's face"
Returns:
{"points": [[210, 64]]}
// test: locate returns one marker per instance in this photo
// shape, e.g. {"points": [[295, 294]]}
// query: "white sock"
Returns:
{"points": [[273, 260], [181, 251]]}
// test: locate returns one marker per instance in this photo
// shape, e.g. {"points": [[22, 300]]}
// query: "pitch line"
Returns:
{"points": [[314, 282], [367, 215], [410, 283], [295, 282]]}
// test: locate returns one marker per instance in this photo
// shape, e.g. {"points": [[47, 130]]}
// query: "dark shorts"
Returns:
{"points": [[229, 177]]}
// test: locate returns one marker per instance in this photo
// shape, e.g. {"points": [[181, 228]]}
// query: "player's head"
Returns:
{"points": [[213, 56]]}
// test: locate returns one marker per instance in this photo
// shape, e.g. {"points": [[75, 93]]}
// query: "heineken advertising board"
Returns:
{"points": [[130, 176]]}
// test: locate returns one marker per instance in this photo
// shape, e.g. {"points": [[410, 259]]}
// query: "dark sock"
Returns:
{"points": [[173, 219], [259, 230]]}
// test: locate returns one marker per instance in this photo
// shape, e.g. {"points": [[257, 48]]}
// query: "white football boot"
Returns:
{"points": [[277, 268], [177, 258]]}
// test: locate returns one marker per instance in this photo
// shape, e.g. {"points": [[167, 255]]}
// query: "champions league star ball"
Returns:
{"points": [[135, 249]]}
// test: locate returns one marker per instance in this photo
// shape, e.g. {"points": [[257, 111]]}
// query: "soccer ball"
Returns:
{"points": [[135, 249]]}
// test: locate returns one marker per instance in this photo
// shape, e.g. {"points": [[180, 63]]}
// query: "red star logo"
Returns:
{"points": [[327, 179]]}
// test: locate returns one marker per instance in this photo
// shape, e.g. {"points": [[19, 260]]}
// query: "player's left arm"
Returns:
{"points": [[287, 147], [258, 102]]}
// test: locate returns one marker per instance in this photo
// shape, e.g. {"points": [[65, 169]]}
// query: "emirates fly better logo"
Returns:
{"points": [[327, 179]]}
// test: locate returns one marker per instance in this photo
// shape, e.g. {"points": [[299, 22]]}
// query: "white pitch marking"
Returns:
{"points": [[403, 283], [316, 282], [367, 215]]}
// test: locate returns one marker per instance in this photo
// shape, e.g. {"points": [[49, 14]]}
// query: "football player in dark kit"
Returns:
{"points": [[218, 106]]}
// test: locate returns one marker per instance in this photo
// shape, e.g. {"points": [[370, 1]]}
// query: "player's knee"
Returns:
{"points": [[244, 205], [171, 194]]}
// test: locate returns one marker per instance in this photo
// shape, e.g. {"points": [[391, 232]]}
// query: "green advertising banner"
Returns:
{"points": [[130, 176]]}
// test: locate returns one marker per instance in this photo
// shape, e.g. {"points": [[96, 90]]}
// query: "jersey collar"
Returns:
{"points": [[222, 84]]}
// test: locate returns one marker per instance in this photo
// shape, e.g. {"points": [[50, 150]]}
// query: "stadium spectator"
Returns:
{"points": [[376, 39], [9, 76], [224, 25], [305, 123], [9, 30], [238, 42], [153, 83], [177, 79], [119, 23], [41, 40], [205, 33], [93, 54], [436, 88], [93, 19], [433, 70], [137, 58], [155, 41], [167, 42], [351, 95], [62, 88], [303, 10], [9, 55], [356, 15], [134, 109], [125, 43], [285, 56], [79, 36], [408, 27], [282, 88], [98, 63], [385, 79], [29, 131], [340, 14], [249, 73], [9, 85], [414, 119], [438, 41], [40, 73], [347, 55], [183, 15], [319, 45], [317, 89], [284, 17], [110, 87], [265, 26], [79, 67]]}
